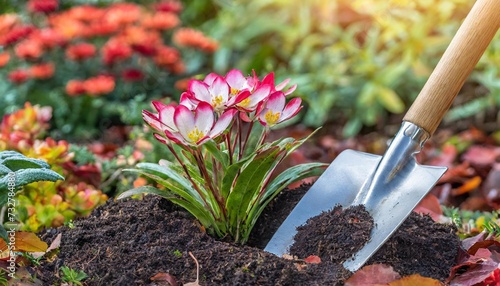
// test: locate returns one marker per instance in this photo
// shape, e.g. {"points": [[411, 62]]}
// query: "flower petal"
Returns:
{"points": [[219, 88], [259, 95], [187, 99], [276, 101], [200, 90], [282, 84], [236, 79], [184, 120], [223, 122], [209, 79], [291, 89], [269, 79], [152, 120], [204, 117], [291, 109]]}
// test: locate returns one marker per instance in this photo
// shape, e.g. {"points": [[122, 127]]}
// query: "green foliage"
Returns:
{"points": [[74, 277], [17, 170], [356, 61], [470, 223]]}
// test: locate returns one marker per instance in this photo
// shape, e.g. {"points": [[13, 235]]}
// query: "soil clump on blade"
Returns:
{"points": [[127, 242]]}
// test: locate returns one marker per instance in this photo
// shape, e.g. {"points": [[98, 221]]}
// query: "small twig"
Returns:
{"points": [[197, 282]]}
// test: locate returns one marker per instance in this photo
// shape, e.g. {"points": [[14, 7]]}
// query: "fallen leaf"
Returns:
{"points": [[373, 275], [467, 186], [164, 277], [481, 155], [430, 205], [54, 245], [415, 280], [491, 187], [446, 157], [476, 269], [29, 242], [313, 259]]}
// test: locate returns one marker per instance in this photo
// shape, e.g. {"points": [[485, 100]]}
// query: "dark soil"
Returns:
{"points": [[128, 242]]}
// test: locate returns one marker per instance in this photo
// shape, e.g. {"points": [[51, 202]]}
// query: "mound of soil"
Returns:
{"points": [[128, 242]]}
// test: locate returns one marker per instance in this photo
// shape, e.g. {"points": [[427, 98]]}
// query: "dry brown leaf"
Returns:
{"points": [[164, 277], [415, 280], [29, 242], [54, 245]]}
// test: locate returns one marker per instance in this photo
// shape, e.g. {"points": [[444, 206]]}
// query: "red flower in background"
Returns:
{"points": [[187, 37], [166, 56], [4, 59], [29, 49], [19, 76], [115, 50], [80, 51], [42, 71], [42, 6], [169, 6], [161, 21], [123, 13], [15, 34], [75, 87], [99, 85], [49, 38], [132, 75]]}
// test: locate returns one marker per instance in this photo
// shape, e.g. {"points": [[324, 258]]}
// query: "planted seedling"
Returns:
{"points": [[74, 277], [225, 173]]}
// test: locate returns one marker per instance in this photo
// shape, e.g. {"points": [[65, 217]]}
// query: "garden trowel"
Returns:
{"points": [[392, 185]]}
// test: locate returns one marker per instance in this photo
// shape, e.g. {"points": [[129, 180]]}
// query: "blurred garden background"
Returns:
{"points": [[75, 76]]}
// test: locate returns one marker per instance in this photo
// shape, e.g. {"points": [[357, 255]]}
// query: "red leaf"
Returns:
{"points": [[373, 275], [481, 155], [164, 277], [313, 259], [430, 205], [475, 270], [446, 158]]}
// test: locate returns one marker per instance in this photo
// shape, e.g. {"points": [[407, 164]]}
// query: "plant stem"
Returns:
{"points": [[250, 127], [195, 186], [208, 180]]}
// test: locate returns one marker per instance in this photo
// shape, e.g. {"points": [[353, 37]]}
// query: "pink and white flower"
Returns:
{"points": [[215, 93], [275, 110], [269, 79]]}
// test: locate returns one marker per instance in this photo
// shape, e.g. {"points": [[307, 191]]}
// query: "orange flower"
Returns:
{"points": [[161, 21], [166, 56], [29, 49], [187, 37], [102, 84], [19, 76], [101, 28], [86, 13], [115, 50], [68, 27], [123, 13], [141, 40], [43, 6], [75, 87], [4, 59], [169, 6], [80, 51], [7, 22], [42, 71]]}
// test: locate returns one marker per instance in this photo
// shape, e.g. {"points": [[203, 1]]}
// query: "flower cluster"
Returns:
{"points": [[48, 204], [225, 174], [133, 36], [208, 107]]}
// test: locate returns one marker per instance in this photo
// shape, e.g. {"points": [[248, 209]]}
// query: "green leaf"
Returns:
{"points": [[389, 99], [249, 184], [28, 176], [20, 162], [230, 174], [219, 155], [352, 127], [145, 190], [3, 233]]}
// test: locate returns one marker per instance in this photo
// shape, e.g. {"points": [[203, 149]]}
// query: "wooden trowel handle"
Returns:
{"points": [[457, 63]]}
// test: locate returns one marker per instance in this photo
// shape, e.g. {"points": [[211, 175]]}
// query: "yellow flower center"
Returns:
{"points": [[271, 117], [195, 135], [245, 102], [234, 91], [217, 101]]}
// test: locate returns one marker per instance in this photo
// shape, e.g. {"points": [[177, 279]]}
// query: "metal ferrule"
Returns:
{"points": [[408, 141]]}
